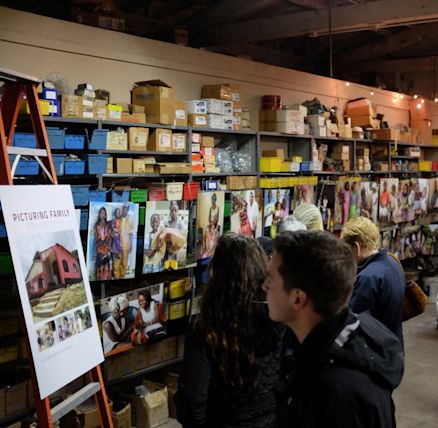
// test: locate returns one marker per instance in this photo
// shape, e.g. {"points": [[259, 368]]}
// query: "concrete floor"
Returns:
{"points": [[416, 399]]}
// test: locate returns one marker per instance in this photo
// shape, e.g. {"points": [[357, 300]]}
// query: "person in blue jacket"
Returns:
{"points": [[380, 282]]}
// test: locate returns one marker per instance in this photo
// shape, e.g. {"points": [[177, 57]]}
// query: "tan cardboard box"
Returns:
{"points": [[110, 165], [100, 110], [207, 141], [161, 111], [278, 153], [138, 166], [386, 134], [122, 415], [241, 182], [88, 414], [198, 120], [222, 92], [181, 118], [160, 140], [138, 139], [174, 168], [365, 122], [124, 166], [133, 117], [152, 409], [70, 105], [117, 140], [179, 142]]}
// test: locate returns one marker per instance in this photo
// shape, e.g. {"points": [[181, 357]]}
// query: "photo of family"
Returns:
{"points": [[47, 336], [414, 198], [276, 207], [303, 194], [246, 217], [388, 200], [368, 204], [209, 222], [112, 240], [347, 199], [134, 318], [165, 240], [53, 276], [326, 193]]}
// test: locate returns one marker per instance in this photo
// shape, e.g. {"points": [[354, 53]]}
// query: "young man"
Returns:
{"points": [[346, 366], [380, 282]]}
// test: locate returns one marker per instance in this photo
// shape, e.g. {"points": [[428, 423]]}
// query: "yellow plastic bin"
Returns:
{"points": [[270, 164]]}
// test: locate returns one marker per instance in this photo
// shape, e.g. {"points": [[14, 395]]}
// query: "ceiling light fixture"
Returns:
{"points": [[347, 83], [415, 96], [371, 92], [436, 100], [419, 105], [402, 96], [422, 100]]}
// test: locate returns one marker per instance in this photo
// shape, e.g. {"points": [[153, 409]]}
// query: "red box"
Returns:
{"points": [[190, 191], [197, 167], [156, 194], [435, 166], [196, 157]]}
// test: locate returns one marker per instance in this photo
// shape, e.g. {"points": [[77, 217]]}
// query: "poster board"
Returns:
{"points": [[52, 280]]}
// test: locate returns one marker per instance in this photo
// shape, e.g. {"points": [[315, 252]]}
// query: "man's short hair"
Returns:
{"points": [[319, 264], [363, 231], [290, 224]]}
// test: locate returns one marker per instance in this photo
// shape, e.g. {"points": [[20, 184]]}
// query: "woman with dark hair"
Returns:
{"points": [[231, 355], [102, 245]]}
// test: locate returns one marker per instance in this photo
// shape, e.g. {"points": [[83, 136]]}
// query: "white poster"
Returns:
{"points": [[53, 283]]}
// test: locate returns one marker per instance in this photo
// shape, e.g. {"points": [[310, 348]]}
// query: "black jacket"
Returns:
{"points": [[342, 375], [199, 404], [380, 288]]}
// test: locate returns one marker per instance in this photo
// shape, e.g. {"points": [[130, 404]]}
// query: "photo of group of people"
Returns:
{"points": [[276, 207], [165, 239], [246, 217], [209, 222], [112, 240], [326, 195], [134, 318], [63, 327], [347, 199]]}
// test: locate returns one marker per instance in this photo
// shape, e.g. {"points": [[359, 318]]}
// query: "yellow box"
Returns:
{"points": [[124, 166], [297, 159], [177, 288], [285, 167], [293, 181], [270, 164], [425, 165], [283, 181], [44, 107], [177, 310], [110, 165]]}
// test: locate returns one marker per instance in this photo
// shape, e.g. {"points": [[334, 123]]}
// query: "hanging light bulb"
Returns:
{"points": [[419, 105], [394, 99], [371, 92], [436, 100], [347, 83], [402, 96], [422, 100], [415, 96]]}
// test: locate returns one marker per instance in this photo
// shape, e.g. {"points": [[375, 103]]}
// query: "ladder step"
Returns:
{"points": [[74, 400], [23, 151]]}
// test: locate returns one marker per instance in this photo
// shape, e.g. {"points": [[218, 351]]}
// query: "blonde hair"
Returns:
{"points": [[310, 215], [363, 231]]}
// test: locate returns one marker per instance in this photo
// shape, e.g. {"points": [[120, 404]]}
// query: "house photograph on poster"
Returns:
{"points": [[133, 318], [54, 281], [112, 240], [165, 243]]}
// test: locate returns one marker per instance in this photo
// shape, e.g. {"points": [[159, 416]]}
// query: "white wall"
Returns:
{"points": [[38, 45]]}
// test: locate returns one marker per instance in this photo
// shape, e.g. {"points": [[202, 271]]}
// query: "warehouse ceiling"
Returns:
{"points": [[375, 42]]}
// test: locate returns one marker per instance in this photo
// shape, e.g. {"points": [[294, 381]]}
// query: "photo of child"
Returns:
{"points": [[47, 336], [209, 222], [388, 200], [245, 213], [165, 243], [276, 207], [326, 203], [365, 199], [347, 199]]}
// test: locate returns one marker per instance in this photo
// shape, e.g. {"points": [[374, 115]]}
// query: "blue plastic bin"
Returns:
{"points": [[305, 166], [97, 196], [80, 195], [56, 138], [74, 142], [97, 164], [117, 196], [98, 139], [58, 161], [2, 230], [25, 139], [84, 220], [74, 167], [25, 167]]}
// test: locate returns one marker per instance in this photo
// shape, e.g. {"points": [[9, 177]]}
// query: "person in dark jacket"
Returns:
{"points": [[232, 354], [345, 367], [380, 282]]}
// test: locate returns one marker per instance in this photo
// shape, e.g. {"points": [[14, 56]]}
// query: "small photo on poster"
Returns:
{"points": [[209, 222], [365, 202], [246, 217], [47, 336], [134, 318], [388, 200], [54, 280], [326, 192], [433, 194], [276, 207], [112, 240], [403, 202], [347, 199], [165, 239], [303, 194], [424, 184]]}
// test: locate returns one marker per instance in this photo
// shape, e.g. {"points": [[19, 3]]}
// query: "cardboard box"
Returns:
{"points": [[181, 113], [222, 92], [197, 106], [138, 139], [152, 409], [361, 107], [207, 141], [16, 398], [121, 415], [198, 120], [228, 122], [133, 117], [179, 142], [423, 129], [215, 121], [294, 128], [124, 166], [196, 137], [235, 92], [365, 122], [316, 120], [196, 147], [386, 134], [110, 165], [214, 106], [100, 110], [70, 106], [174, 168], [160, 140], [227, 108], [241, 182], [139, 167], [117, 140], [88, 414], [158, 99], [278, 153], [115, 111]]}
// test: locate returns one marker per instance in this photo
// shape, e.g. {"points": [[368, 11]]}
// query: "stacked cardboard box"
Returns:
{"points": [[50, 94], [203, 154], [86, 100], [158, 98], [363, 159], [341, 157], [317, 124], [246, 119], [421, 121], [362, 113], [285, 121]]}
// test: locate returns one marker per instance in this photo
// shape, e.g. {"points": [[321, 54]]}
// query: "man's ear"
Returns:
{"points": [[298, 298], [356, 250]]}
